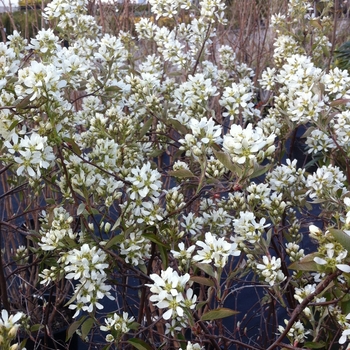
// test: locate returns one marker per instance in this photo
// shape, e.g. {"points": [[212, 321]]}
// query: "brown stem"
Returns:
{"points": [[3, 289], [299, 309]]}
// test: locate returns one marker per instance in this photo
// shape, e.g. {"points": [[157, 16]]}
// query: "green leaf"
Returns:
{"points": [[341, 237], [218, 314], [86, 327], [206, 268], [164, 255], [72, 144], [36, 327], [13, 125], [226, 160], [74, 326], [113, 88], [313, 345], [259, 170], [139, 344], [81, 208], [305, 264], [51, 201], [181, 173], [201, 304], [114, 240], [146, 127], [23, 102], [153, 238], [345, 304], [156, 153], [134, 326], [339, 102], [203, 280], [178, 126]]}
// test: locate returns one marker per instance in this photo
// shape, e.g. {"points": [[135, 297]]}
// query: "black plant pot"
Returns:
{"points": [[56, 342], [57, 339]]}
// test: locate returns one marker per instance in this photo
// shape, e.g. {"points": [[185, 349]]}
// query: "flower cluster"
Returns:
{"points": [[9, 326], [215, 250], [88, 265], [147, 159], [169, 292], [117, 326]]}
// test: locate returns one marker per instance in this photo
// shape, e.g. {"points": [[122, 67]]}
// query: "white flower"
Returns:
{"points": [[168, 292], [145, 181], [216, 250], [248, 145], [270, 270]]}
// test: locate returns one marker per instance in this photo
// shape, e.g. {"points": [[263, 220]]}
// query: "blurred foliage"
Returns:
{"points": [[342, 56], [26, 22]]}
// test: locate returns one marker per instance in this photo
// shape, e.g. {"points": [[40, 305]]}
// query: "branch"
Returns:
{"points": [[299, 309]]}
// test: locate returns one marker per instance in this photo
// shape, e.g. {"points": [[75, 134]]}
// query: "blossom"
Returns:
{"points": [[325, 183], [118, 323], [145, 181], [296, 333], [168, 292], [248, 145], [88, 265], [9, 326], [216, 250], [270, 270]]}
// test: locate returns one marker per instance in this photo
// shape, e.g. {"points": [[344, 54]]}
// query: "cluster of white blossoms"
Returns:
{"points": [[169, 291], [237, 100], [56, 234], [168, 8], [288, 180], [117, 326], [270, 270], [344, 322], [204, 135], [195, 346], [247, 228], [154, 141], [215, 250], [135, 249], [296, 333], [144, 182], [88, 265], [9, 326], [341, 134], [248, 145], [32, 153], [327, 183]]}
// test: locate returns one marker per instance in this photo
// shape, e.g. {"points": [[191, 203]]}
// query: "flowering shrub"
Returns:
{"points": [[156, 178]]}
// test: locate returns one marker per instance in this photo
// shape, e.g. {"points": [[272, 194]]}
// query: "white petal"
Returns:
{"points": [[343, 267]]}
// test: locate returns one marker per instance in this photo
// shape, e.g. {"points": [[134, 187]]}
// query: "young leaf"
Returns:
{"points": [[153, 238], [314, 345], [226, 160], [81, 208], [305, 264], [114, 240], [181, 173], [146, 127], [206, 268], [164, 255], [218, 313], [74, 326], [71, 143], [202, 280], [341, 237], [86, 327], [139, 344]]}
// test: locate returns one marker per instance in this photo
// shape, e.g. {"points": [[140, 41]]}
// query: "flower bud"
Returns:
{"points": [[13, 331], [14, 346]]}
